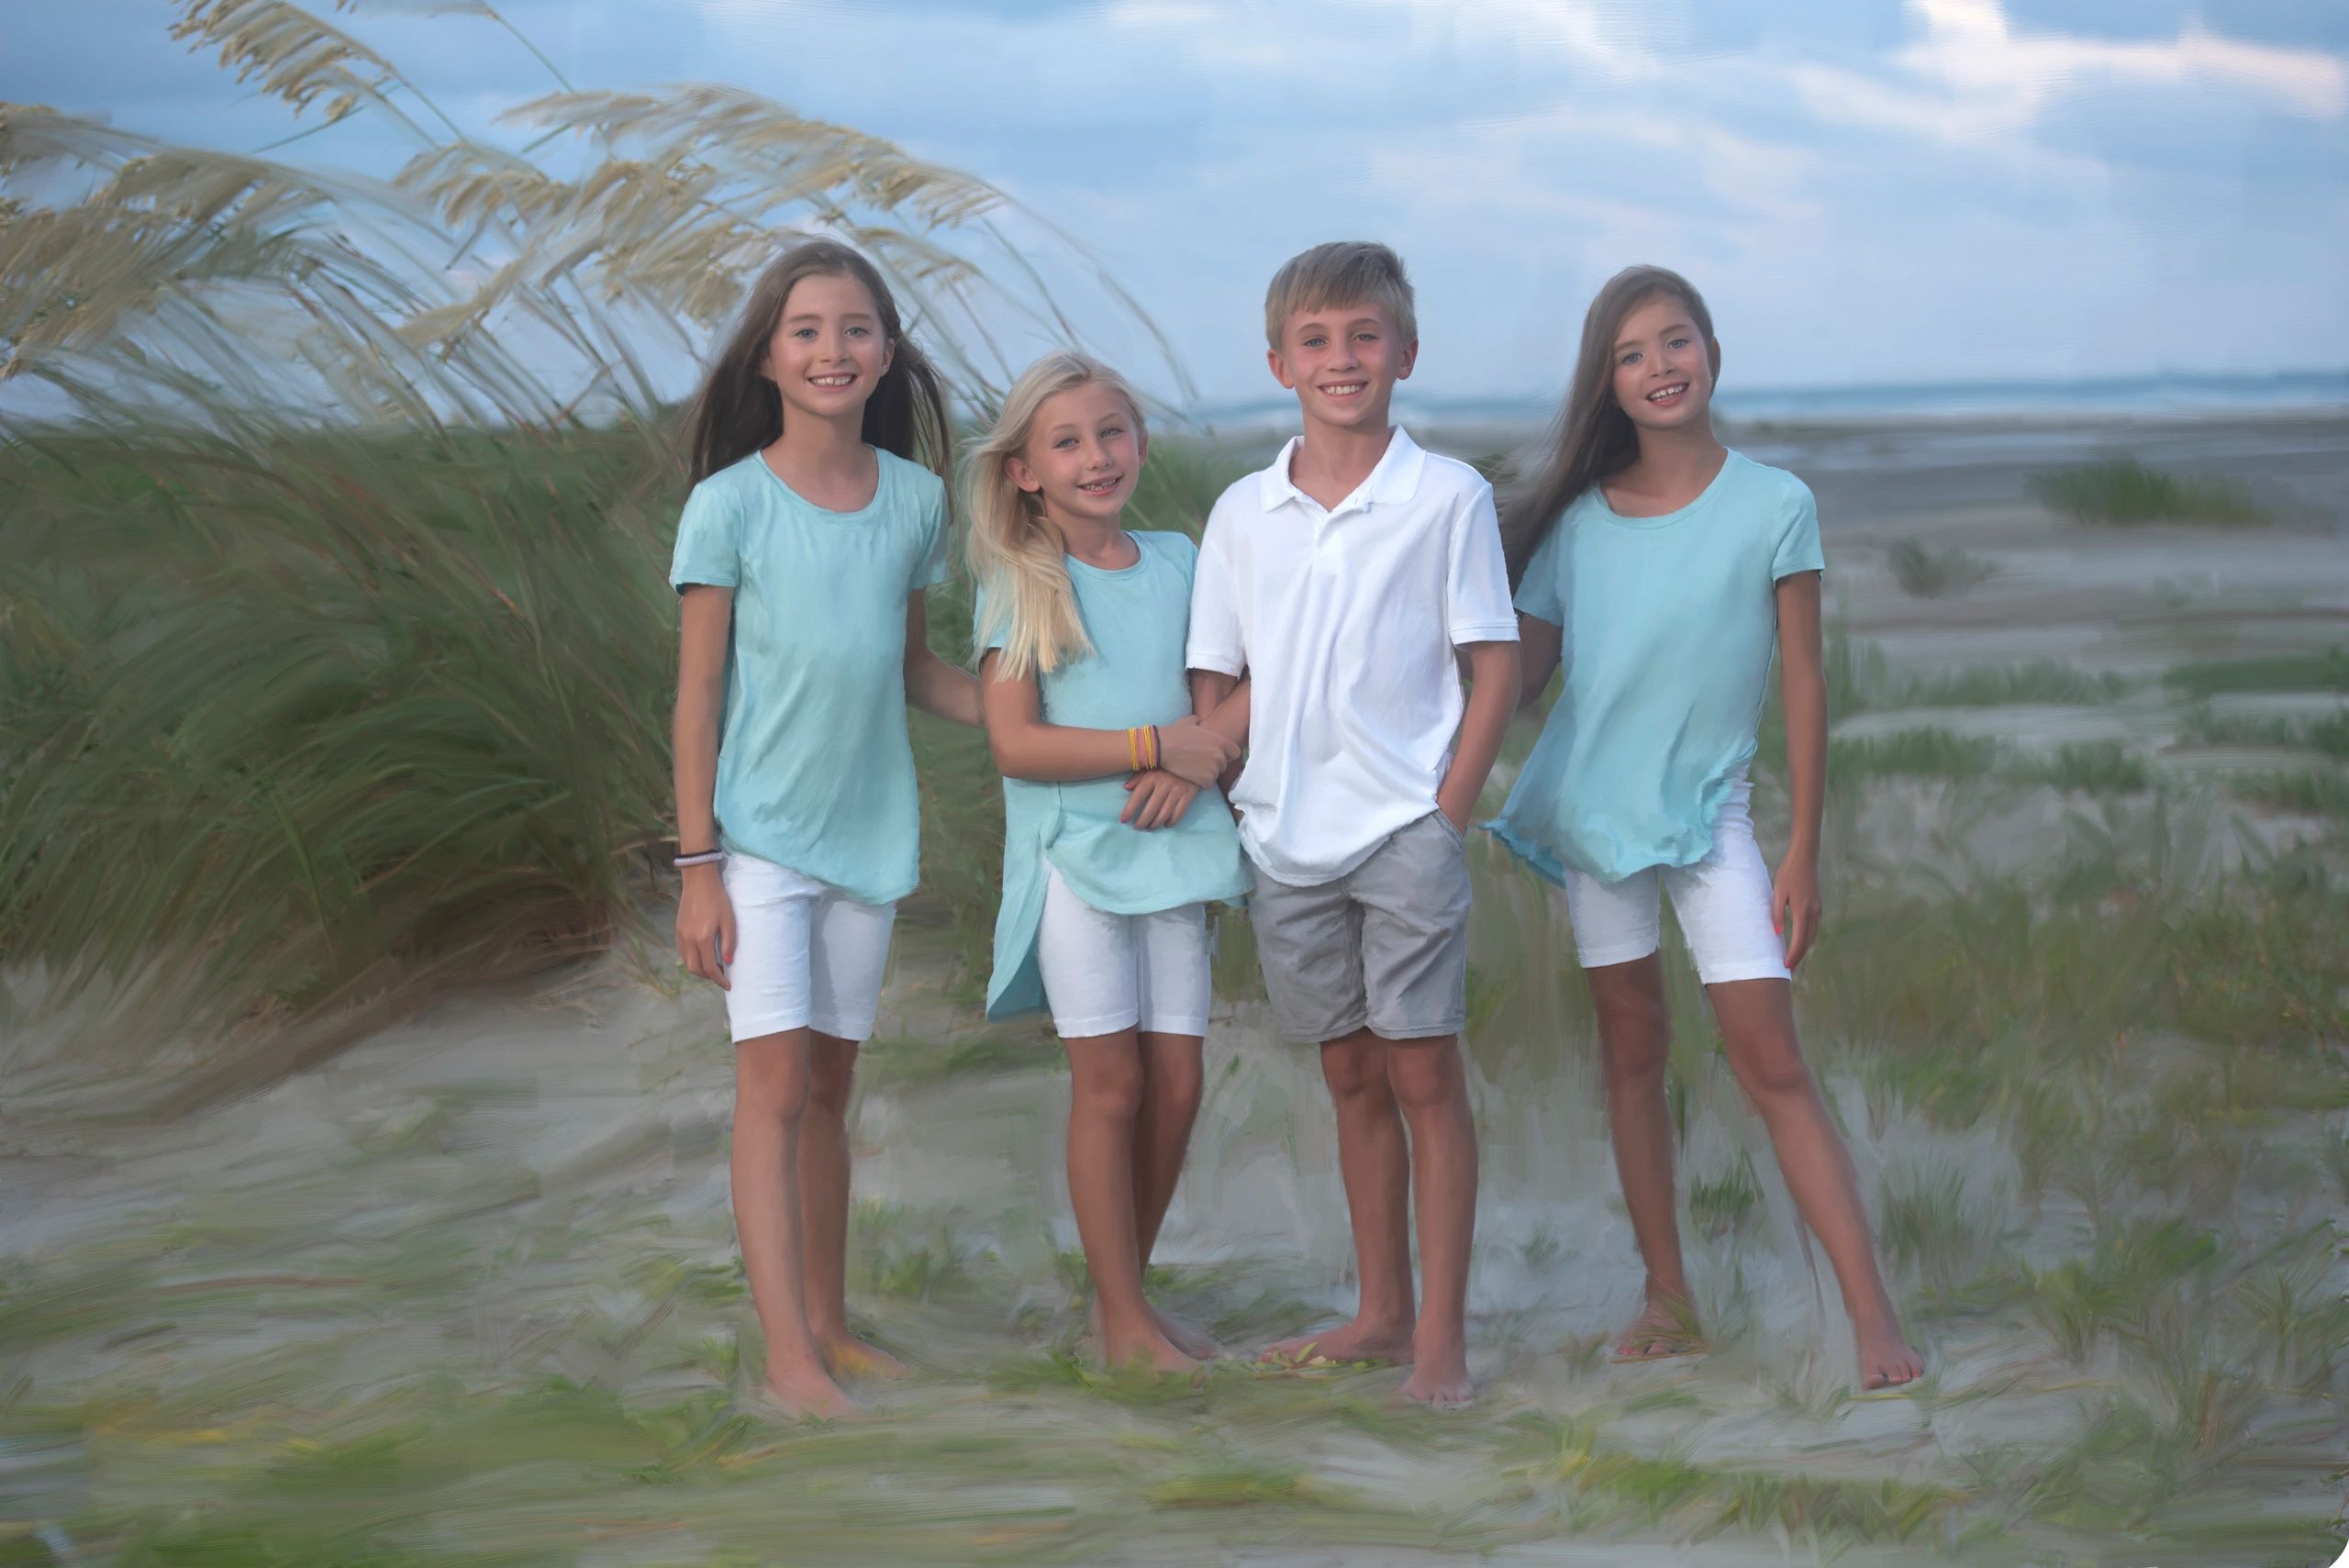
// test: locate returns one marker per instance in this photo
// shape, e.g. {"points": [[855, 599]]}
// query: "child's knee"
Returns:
{"points": [[1177, 1085], [1636, 1056], [831, 1080], [769, 1084], [1424, 1077], [1771, 1069], [1107, 1091], [1355, 1076]]}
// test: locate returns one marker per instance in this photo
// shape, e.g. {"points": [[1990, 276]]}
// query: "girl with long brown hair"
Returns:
{"points": [[1665, 569], [817, 520]]}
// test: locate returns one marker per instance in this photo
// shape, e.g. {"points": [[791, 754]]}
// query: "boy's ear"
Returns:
{"points": [[1410, 356], [1280, 369]]}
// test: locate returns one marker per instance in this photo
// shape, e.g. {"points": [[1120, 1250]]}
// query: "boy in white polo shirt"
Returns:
{"points": [[1339, 582]]}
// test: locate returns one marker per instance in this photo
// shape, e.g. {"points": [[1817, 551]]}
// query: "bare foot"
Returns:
{"points": [[849, 1356], [1441, 1379], [1355, 1342], [809, 1394], [1144, 1348], [1664, 1328], [1186, 1338], [1886, 1360]]}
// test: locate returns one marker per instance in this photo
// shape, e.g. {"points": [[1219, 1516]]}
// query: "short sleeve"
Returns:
{"points": [[1797, 549], [931, 565], [985, 636], [1475, 591], [1218, 640], [1542, 593], [709, 540]]}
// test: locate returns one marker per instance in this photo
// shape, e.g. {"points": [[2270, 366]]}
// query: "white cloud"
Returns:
{"points": [[1972, 77]]}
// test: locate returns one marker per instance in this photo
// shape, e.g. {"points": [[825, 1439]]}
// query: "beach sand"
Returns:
{"points": [[466, 1292]]}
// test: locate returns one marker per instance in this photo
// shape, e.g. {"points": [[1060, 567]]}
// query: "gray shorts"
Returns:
{"points": [[1385, 945]]}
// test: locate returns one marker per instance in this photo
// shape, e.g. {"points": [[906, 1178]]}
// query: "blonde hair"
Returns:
{"points": [[1016, 553], [1344, 271]]}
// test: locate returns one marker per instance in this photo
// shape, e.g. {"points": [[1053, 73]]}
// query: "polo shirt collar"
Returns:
{"points": [[1396, 477]]}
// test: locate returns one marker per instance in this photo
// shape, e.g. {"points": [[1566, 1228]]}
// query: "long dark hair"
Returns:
{"points": [[737, 411], [1592, 439]]}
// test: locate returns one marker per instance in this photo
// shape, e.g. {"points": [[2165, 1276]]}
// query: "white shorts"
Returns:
{"points": [[1724, 902], [1106, 973], [805, 954]]}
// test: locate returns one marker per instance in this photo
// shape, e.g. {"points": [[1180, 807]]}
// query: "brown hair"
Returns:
{"points": [[1344, 271], [737, 411], [1593, 439]]}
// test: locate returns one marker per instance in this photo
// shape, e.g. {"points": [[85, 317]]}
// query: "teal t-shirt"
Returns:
{"points": [[1669, 626], [1139, 618], [814, 768]]}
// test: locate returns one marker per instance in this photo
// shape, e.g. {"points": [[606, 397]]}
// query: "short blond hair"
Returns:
{"points": [[1344, 271]]}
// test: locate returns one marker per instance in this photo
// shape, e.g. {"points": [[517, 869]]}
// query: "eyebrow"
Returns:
{"points": [[818, 316], [1623, 343]]}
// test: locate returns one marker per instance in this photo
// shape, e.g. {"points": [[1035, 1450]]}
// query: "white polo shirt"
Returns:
{"points": [[1345, 621]]}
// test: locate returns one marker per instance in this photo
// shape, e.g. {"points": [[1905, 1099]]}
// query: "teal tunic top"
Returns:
{"points": [[1670, 625], [1138, 618], [815, 771]]}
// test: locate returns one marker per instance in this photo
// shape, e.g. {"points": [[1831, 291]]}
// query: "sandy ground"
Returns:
{"points": [[516, 1202]]}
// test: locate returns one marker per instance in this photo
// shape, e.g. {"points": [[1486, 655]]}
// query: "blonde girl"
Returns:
{"points": [[1115, 835]]}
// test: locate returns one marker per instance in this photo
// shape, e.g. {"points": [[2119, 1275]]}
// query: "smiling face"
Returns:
{"points": [[1663, 367], [1342, 362], [1083, 455], [828, 350]]}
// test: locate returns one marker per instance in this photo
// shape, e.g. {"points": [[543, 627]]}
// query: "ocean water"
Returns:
{"points": [[2150, 396]]}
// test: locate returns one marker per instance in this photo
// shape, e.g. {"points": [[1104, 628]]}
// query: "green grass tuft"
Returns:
{"points": [[2125, 491], [1926, 573]]}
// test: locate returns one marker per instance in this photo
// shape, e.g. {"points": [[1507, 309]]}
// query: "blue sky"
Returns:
{"points": [[1868, 191]]}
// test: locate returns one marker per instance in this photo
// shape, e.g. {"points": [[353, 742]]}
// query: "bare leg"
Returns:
{"points": [[771, 1083], [823, 1209], [1104, 1104], [1432, 1089], [1757, 1021], [1635, 1039], [1375, 1161], [1172, 1074]]}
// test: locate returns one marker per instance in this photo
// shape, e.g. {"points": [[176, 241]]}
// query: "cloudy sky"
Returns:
{"points": [[1869, 190]]}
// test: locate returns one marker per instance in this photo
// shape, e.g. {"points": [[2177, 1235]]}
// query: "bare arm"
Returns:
{"points": [[1025, 746], [933, 685], [1795, 903], [1492, 702], [1539, 646], [1222, 702], [704, 917]]}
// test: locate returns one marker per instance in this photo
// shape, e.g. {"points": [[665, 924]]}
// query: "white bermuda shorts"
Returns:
{"points": [[805, 954], [1724, 902], [1106, 973]]}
